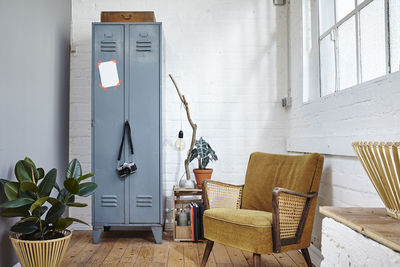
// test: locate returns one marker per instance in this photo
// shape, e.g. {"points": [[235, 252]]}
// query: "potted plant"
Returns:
{"points": [[40, 237], [204, 153]]}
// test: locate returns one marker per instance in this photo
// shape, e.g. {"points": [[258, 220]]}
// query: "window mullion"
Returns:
{"points": [[358, 43], [387, 37], [335, 44]]}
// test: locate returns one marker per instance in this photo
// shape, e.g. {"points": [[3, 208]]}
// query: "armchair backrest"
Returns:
{"points": [[267, 171]]}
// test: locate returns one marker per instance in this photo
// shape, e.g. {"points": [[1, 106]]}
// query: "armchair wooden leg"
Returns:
{"points": [[256, 260], [207, 252], [306, 256]]}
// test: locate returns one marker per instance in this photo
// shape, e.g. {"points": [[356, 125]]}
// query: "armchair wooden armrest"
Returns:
{"points": [[221, 195], [289, 214]]}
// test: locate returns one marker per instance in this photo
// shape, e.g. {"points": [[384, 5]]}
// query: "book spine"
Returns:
{"points": [[192, 221]]}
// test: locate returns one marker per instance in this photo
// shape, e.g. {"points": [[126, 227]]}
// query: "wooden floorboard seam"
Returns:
{"points": [[123, 249]]}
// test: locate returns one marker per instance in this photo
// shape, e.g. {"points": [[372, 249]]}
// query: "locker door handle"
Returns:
{"points": [[126, 17]]}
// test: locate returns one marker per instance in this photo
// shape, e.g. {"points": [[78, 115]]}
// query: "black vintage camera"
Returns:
{"points": [[126, 169]]}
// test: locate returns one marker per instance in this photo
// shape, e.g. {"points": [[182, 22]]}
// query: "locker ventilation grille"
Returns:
{"points": [[143, 46], [109, 201], [108, 46], [144, 201]]}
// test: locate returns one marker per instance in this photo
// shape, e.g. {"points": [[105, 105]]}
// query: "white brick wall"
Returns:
{"points": [[229, 59], [342, 246], [328, 125]]}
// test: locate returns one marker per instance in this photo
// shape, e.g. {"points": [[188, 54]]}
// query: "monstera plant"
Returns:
{"points": [[204, 153], [30, 198]]}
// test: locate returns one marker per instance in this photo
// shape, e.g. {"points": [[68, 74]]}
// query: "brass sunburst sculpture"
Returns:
{"points": [[382, 164]]}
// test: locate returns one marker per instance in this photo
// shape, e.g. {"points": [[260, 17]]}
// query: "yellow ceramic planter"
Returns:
{"points": [[43, 253]]}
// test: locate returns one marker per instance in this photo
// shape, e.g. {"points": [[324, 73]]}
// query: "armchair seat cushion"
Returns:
{"points": [[249, 230]]}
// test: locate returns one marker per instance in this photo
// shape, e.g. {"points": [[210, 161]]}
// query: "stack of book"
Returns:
{"points": [[196, 219]]}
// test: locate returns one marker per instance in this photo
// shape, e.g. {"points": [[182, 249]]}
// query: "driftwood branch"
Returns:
{"points": [[192, 124]]}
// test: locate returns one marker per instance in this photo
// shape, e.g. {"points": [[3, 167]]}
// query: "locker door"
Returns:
{"points": [[144, 116], [108, 120]]}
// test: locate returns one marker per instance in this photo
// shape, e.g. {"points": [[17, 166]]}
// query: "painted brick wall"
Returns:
{"points": [[342, 246], [229, 59], [328, 125]]}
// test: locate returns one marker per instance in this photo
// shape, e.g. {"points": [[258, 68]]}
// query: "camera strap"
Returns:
{"points": [[127, 128]]}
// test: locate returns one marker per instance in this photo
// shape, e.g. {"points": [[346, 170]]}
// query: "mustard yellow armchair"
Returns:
{"points": [[272, 212]]}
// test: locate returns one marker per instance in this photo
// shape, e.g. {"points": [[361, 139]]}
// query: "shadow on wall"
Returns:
{"points": [[5, 225], [325, 198]]}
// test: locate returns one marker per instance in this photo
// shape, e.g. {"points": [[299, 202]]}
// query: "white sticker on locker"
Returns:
{"points": [[108, 74]]}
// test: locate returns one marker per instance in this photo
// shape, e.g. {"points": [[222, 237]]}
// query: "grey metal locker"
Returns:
{"points": [[136, 199]]}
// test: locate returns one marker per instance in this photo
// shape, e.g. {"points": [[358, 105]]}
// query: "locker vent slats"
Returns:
{"points": [[144, 201], [109, 201], [108, 46], [143, 46]]}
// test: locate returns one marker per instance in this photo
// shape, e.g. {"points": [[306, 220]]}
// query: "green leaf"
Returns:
{"points": [[3, 181], [205, 162], [72, 185], [11, 190], [57, 187], [76, 220], [24, 227], [15, 212], [62, 223], [83, 177], [30, 219], [193, 155], [33, 168], [23, 171], [76, 204], [52, 201], [202, 148], [38, 203], [17, 203], [74, 169], [55, 212], [86, 189], [48, 183], [41, 173], [212, 153], [40, 211], [30, 161], [29, 186]]}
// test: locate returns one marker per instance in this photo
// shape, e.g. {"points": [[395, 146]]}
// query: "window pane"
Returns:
{"points": [[326, 15], [343, 7], [347, 54], [394, 20], [327, 54], [360, 1], [373, 49]]}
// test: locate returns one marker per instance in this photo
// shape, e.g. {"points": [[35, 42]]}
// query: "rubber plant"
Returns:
{"points": [[29, 198], [204, 154]]}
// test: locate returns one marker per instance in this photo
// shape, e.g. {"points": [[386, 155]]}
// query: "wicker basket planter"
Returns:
{"points": [[47, 253], [382, 163]]}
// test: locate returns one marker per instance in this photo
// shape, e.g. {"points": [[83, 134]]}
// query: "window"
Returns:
{"points": [[359, 40]]}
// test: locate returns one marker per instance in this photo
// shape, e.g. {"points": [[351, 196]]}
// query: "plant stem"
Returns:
{"points": [[67, 196], [39, 217]]}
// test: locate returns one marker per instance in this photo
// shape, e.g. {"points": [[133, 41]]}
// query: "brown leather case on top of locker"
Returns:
{"points": [[128, 16]]}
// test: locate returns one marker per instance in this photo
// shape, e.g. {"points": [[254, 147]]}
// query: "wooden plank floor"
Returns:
{"points": [[137, 248]]}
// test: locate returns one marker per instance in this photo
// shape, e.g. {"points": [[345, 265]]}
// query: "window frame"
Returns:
{"points": [[333, 30]]}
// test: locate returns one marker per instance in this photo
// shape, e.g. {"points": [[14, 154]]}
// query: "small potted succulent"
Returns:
{"points": [[204, 153], [40, 237]]}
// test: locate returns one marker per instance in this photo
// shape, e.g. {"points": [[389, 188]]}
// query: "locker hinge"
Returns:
{"points": [[92, 123]]}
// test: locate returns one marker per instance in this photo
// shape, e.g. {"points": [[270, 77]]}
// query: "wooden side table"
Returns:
{"points": [[184, 233]]}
